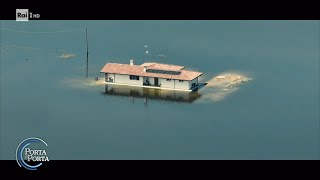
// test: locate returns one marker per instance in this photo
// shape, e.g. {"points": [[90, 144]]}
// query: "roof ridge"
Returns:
{"points": [[124, 64], [169, 64]]}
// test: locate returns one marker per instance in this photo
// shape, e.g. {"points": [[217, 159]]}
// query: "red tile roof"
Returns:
{"points": [[137, 70], [162, 66]]}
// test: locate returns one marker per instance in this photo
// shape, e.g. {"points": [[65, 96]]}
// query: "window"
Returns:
{"points": [[180, 80], [132, 77]]}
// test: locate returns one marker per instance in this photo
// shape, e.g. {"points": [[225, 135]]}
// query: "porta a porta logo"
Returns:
{"points": [[26, 155], [24, 15]]}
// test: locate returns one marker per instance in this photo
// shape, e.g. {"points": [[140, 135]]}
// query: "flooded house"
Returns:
{"points": [[152, 75]]}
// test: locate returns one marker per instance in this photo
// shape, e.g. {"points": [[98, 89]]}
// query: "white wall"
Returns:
{"points": [[166, 84], [182, 85], [125, 79]]}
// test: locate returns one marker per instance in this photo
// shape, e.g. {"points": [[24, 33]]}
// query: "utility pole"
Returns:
{"points": [[87, 53]]}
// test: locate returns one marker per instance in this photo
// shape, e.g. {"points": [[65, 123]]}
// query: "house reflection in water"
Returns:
{"points": [[154, 94]]}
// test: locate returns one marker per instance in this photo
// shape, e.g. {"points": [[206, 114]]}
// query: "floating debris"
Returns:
{"points": [[221, 86], [227, 80], [67, 55], [82, 83]]}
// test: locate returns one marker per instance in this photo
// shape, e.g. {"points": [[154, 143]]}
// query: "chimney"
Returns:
{"points": [[131, 62], [144, 68]]}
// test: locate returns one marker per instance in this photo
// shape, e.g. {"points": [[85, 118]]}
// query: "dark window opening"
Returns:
{"points": [[132, 77]]}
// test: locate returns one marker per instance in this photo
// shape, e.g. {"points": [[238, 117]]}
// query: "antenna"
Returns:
{"points": [[87, 53], [146, 52]]}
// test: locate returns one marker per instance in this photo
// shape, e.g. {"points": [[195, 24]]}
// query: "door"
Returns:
{"points": [[156, 83]]}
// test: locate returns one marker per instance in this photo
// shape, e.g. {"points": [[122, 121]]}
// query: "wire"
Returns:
{"points": [[16, 46], [30, 32]]}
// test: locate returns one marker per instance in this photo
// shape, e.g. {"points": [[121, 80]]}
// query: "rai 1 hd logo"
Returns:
{"points": [[25, 15], [31, 153]]}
